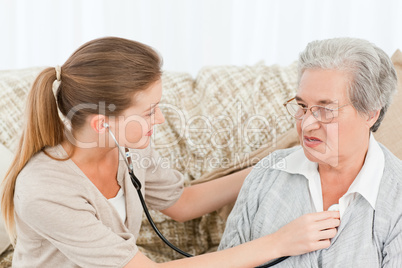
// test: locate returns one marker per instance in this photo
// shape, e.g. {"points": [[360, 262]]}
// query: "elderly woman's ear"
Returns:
{"points": [[372, 118]]}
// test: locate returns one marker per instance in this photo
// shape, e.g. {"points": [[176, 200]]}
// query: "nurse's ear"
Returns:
{"points": [[372, 118], [97, 123]]}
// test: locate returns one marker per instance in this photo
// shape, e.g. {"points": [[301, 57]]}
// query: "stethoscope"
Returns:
{"points": [[137, 185]]}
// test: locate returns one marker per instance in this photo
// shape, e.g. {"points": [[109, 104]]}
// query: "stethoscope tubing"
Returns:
{"points": [[152, 223], [136, 182], [137, 185]]}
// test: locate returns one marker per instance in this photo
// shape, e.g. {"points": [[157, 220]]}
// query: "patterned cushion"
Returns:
{"points": [[14, 87], [228, 111]]}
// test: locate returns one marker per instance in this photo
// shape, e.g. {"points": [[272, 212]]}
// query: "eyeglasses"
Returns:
{"points": [[321, 113]]}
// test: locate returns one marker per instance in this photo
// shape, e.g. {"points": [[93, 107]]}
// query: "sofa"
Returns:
{"points": [[225, 119]]}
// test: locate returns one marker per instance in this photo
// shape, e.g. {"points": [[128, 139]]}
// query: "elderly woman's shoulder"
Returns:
{"points": [[393, 165], [276, 159], [280, 154]]}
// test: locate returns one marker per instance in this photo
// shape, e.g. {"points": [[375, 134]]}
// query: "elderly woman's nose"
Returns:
{"points": [[309, 122]]}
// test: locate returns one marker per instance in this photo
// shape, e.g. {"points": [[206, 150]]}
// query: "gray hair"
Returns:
{"points": [[374, 78]]}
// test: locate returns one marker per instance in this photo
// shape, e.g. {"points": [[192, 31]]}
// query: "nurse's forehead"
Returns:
{"points": [[146, 106], [147, 99]]}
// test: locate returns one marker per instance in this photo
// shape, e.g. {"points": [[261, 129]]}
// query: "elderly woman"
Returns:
{"points": [[345, 87]]}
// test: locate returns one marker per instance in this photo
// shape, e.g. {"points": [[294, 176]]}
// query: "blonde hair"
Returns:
{"points": [[107, 70]]}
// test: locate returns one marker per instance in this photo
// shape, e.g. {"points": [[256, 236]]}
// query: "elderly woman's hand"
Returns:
{"points": [[307, 233]]}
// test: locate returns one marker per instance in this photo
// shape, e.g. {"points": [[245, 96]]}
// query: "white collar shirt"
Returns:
{"points": [[366, 183]]}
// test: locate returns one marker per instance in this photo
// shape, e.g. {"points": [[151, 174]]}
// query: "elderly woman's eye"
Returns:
{"points": [[302, 105]]}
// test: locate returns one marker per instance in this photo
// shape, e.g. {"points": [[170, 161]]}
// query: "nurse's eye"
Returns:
{"points": [[151, 113]]}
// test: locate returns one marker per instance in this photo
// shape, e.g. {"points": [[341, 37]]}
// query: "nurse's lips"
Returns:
{"points": [[311, 141], [149, 133]]}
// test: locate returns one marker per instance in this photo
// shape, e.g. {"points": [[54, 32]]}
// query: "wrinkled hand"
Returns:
{"points": [[307, 233]]}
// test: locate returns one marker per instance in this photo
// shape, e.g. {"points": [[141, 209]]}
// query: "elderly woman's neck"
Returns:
{"points": [[349, 163], [348, 167], [336, 180]]}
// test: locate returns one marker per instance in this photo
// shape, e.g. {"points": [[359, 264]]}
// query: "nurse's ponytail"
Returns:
{"points": [[42, 127]]}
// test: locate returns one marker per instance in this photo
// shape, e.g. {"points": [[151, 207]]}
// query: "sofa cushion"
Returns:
{"points": [[227, 112], [14, 87]]}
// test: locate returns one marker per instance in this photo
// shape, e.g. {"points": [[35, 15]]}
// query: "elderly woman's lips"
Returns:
{"points": [[311, 141]]}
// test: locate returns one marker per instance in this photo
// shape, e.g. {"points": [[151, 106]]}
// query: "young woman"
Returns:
{"points": [[67, 199]]}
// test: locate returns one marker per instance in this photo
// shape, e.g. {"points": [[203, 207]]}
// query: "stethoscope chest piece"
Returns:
{"points": [[334, 207]]}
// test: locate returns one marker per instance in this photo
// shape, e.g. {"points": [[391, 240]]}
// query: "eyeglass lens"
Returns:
{"points": [[322, 114]]}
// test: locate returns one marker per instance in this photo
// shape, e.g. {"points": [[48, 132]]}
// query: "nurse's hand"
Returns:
{"points": [[307, 233]]}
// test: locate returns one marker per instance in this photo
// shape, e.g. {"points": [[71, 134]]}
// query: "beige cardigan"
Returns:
{"points": [[63, 220]]}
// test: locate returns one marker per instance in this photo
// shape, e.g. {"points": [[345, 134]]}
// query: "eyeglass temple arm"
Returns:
{"points": [[284, 104]]}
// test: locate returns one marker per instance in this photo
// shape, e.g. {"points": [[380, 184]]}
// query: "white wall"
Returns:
{"points": [[192, 33]]}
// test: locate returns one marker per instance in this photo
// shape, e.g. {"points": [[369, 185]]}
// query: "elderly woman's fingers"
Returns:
{"points": [[319, 216], [308, 232], [322, 244], [327, 234], [327, 224]]}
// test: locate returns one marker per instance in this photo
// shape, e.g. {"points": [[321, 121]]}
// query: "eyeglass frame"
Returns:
{"points": [[319, 106]]}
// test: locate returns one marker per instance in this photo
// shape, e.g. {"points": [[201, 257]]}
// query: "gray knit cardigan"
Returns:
{"points": [[271, 198]]}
